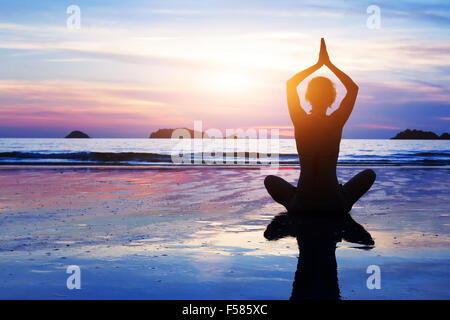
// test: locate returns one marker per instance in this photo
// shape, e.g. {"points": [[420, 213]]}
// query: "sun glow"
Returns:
{"points": [[232, 81]]}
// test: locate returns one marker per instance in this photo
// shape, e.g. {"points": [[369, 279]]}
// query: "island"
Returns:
{"points": [[77, 135], [167, 134], [420, 135]]}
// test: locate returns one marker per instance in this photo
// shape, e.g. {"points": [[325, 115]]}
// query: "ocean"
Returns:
{"points": [[259, 152]]}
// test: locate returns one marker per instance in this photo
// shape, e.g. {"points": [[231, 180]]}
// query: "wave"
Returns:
{"points": [[87, 156], [439, 158], [433, 154]]}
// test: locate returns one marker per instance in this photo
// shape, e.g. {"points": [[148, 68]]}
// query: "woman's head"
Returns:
{"points": [[320, 93]]}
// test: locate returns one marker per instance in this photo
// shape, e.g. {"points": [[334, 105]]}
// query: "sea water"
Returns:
{"points": [[14, 151]]}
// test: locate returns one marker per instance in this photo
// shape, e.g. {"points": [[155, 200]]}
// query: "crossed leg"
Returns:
{"points": [[279, 189], [357, 186], [282, 191]]}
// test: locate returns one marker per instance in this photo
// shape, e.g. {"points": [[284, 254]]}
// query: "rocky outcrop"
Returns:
{"points": [[420, 135], [77, 135], [167, 133]]}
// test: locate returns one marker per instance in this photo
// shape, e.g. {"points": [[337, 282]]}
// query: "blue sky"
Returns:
{"points": [[135, 66]]}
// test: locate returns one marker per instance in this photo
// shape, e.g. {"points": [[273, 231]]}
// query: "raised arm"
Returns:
{"points": [[347, 104], [295, 110], [346, 107]]}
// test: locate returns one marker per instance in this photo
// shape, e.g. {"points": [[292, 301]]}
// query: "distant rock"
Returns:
{"points": [[167, 133], [77, 135], [420, 135]]}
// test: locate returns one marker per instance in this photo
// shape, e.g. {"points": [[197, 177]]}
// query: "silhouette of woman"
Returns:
{"points": [[318, 136]]}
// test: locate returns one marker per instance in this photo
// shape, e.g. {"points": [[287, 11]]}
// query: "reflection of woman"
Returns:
{"points": [[318, 136], [316, 276]]}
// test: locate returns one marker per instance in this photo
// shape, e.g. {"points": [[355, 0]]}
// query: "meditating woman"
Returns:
{"points": [[318, 136]]}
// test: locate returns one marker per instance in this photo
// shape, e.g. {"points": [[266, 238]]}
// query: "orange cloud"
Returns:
{"points": [[72, 103]]}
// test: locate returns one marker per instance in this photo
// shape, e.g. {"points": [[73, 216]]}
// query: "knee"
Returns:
{"points": [[268, 181], [370, 174]]}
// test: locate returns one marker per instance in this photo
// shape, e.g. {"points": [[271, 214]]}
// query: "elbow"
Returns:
{"points": [[290, 84]]}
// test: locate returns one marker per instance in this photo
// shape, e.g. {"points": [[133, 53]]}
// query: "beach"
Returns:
{"points": [[164, 232]]}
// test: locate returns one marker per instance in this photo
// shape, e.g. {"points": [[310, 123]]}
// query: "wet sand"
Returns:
{"points": [[197, 233]]}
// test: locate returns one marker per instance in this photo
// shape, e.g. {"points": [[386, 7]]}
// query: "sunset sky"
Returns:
{"points": [[135, 66]]}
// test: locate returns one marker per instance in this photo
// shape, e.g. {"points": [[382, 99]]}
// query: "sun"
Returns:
{"points": [[232, 81]]}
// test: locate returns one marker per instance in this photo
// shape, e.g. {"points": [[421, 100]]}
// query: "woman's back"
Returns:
{"points": [[318, 140]]}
